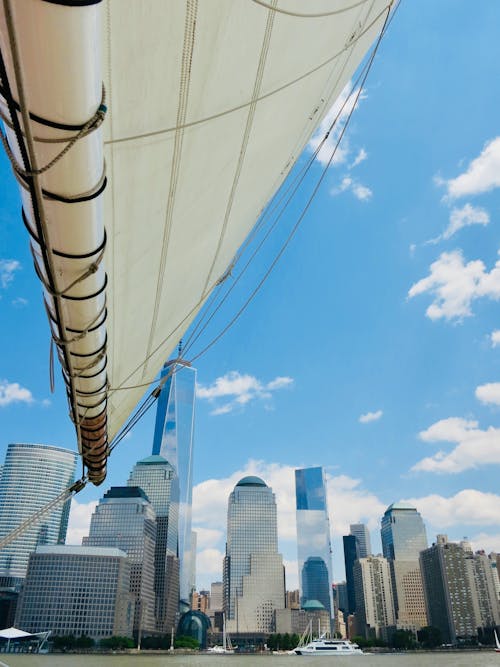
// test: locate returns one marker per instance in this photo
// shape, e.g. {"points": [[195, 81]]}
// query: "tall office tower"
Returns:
{"points": [[313, 537], [403, 538], [253, 578], [126, 520], [77, 591], [32, 476], [375, 614], [157, 478], [173, 439], [448, 592], [350, 557], [362, 535], [483, 584]]}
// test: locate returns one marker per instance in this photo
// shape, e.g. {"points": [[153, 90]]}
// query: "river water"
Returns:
{"points": [[461, 659]]}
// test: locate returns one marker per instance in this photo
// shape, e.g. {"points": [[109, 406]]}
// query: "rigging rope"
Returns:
{"points": [[333, 12]]}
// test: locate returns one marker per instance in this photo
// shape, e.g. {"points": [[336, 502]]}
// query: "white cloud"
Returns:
{"points": [[360, 157], [467, 507], [19, 302], [338, 109], [485, 541], [370, 417], [463, 217], [482, 174], [12, 392], [241, 389], [79, 521], [209, 566], [495, 338], [489, 393], [473, 446], [455, 285], [8, 267], [348, 184]]}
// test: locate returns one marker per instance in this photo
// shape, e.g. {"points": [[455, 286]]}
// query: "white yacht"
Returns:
{"points": [[339, 647]]}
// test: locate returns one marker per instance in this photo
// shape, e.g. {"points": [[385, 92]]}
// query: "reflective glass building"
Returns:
{"points": [[313, 537], [32, 476], [362, 535], [173, 440], [253, 577], [403, 533], [125, 519], [157, 478]]}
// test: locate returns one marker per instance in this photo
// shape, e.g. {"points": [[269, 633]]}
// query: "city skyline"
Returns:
{"points": [[351, 357]]}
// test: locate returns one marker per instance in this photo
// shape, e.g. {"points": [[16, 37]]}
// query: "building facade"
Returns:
{"points": [[125, 519], [403, 538], [32, 476], [350, 557], [375, 615], [449, 596], [362, 535], [77, 591], [313, 537], [173, 440], [158, 479], [253, 577]]}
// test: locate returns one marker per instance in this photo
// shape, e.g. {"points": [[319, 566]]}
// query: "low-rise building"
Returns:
{"points": [[74, 590]]}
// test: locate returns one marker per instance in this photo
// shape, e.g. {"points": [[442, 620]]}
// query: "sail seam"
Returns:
{"points": [[265, 96], [187, 57], [246, 138]]}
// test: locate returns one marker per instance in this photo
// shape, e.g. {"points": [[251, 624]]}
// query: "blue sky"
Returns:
{"points": [[371, 349]]}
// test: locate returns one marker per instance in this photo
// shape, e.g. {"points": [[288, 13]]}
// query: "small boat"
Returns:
{"points": [[497, 642], [321, 646]]}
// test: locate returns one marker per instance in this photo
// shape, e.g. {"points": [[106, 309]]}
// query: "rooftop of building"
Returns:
{"points": [[313, 605], [400, 506], [126, 492], [75, 550], [251, 480], [154, 459]]}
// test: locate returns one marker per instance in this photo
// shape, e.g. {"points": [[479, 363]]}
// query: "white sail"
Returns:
{"points": [[210, 104]]}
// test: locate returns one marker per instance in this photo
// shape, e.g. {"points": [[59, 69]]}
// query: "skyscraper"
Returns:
{"points": [[374, 601], [125, 519], [157, 478], [362, 535], [351, 555], [313, 537], [448, 593], [403, 532], [173, 440], [253, 578], [32, 476], [403, 538]]}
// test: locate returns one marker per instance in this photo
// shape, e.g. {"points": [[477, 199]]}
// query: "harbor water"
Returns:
{"points": [[460, 659]]}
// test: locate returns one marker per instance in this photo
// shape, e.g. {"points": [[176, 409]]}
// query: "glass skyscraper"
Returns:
{"points": [[313, 537], [125, 519], [158, 480], [32, 476], [403, 538], [403, 533], [253, 577], [173, 440], [362, 535]]}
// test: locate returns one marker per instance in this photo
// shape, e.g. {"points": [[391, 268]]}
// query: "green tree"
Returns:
{"points": [[403, 639], [186, 642], [116, 642], [430, 636]]}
